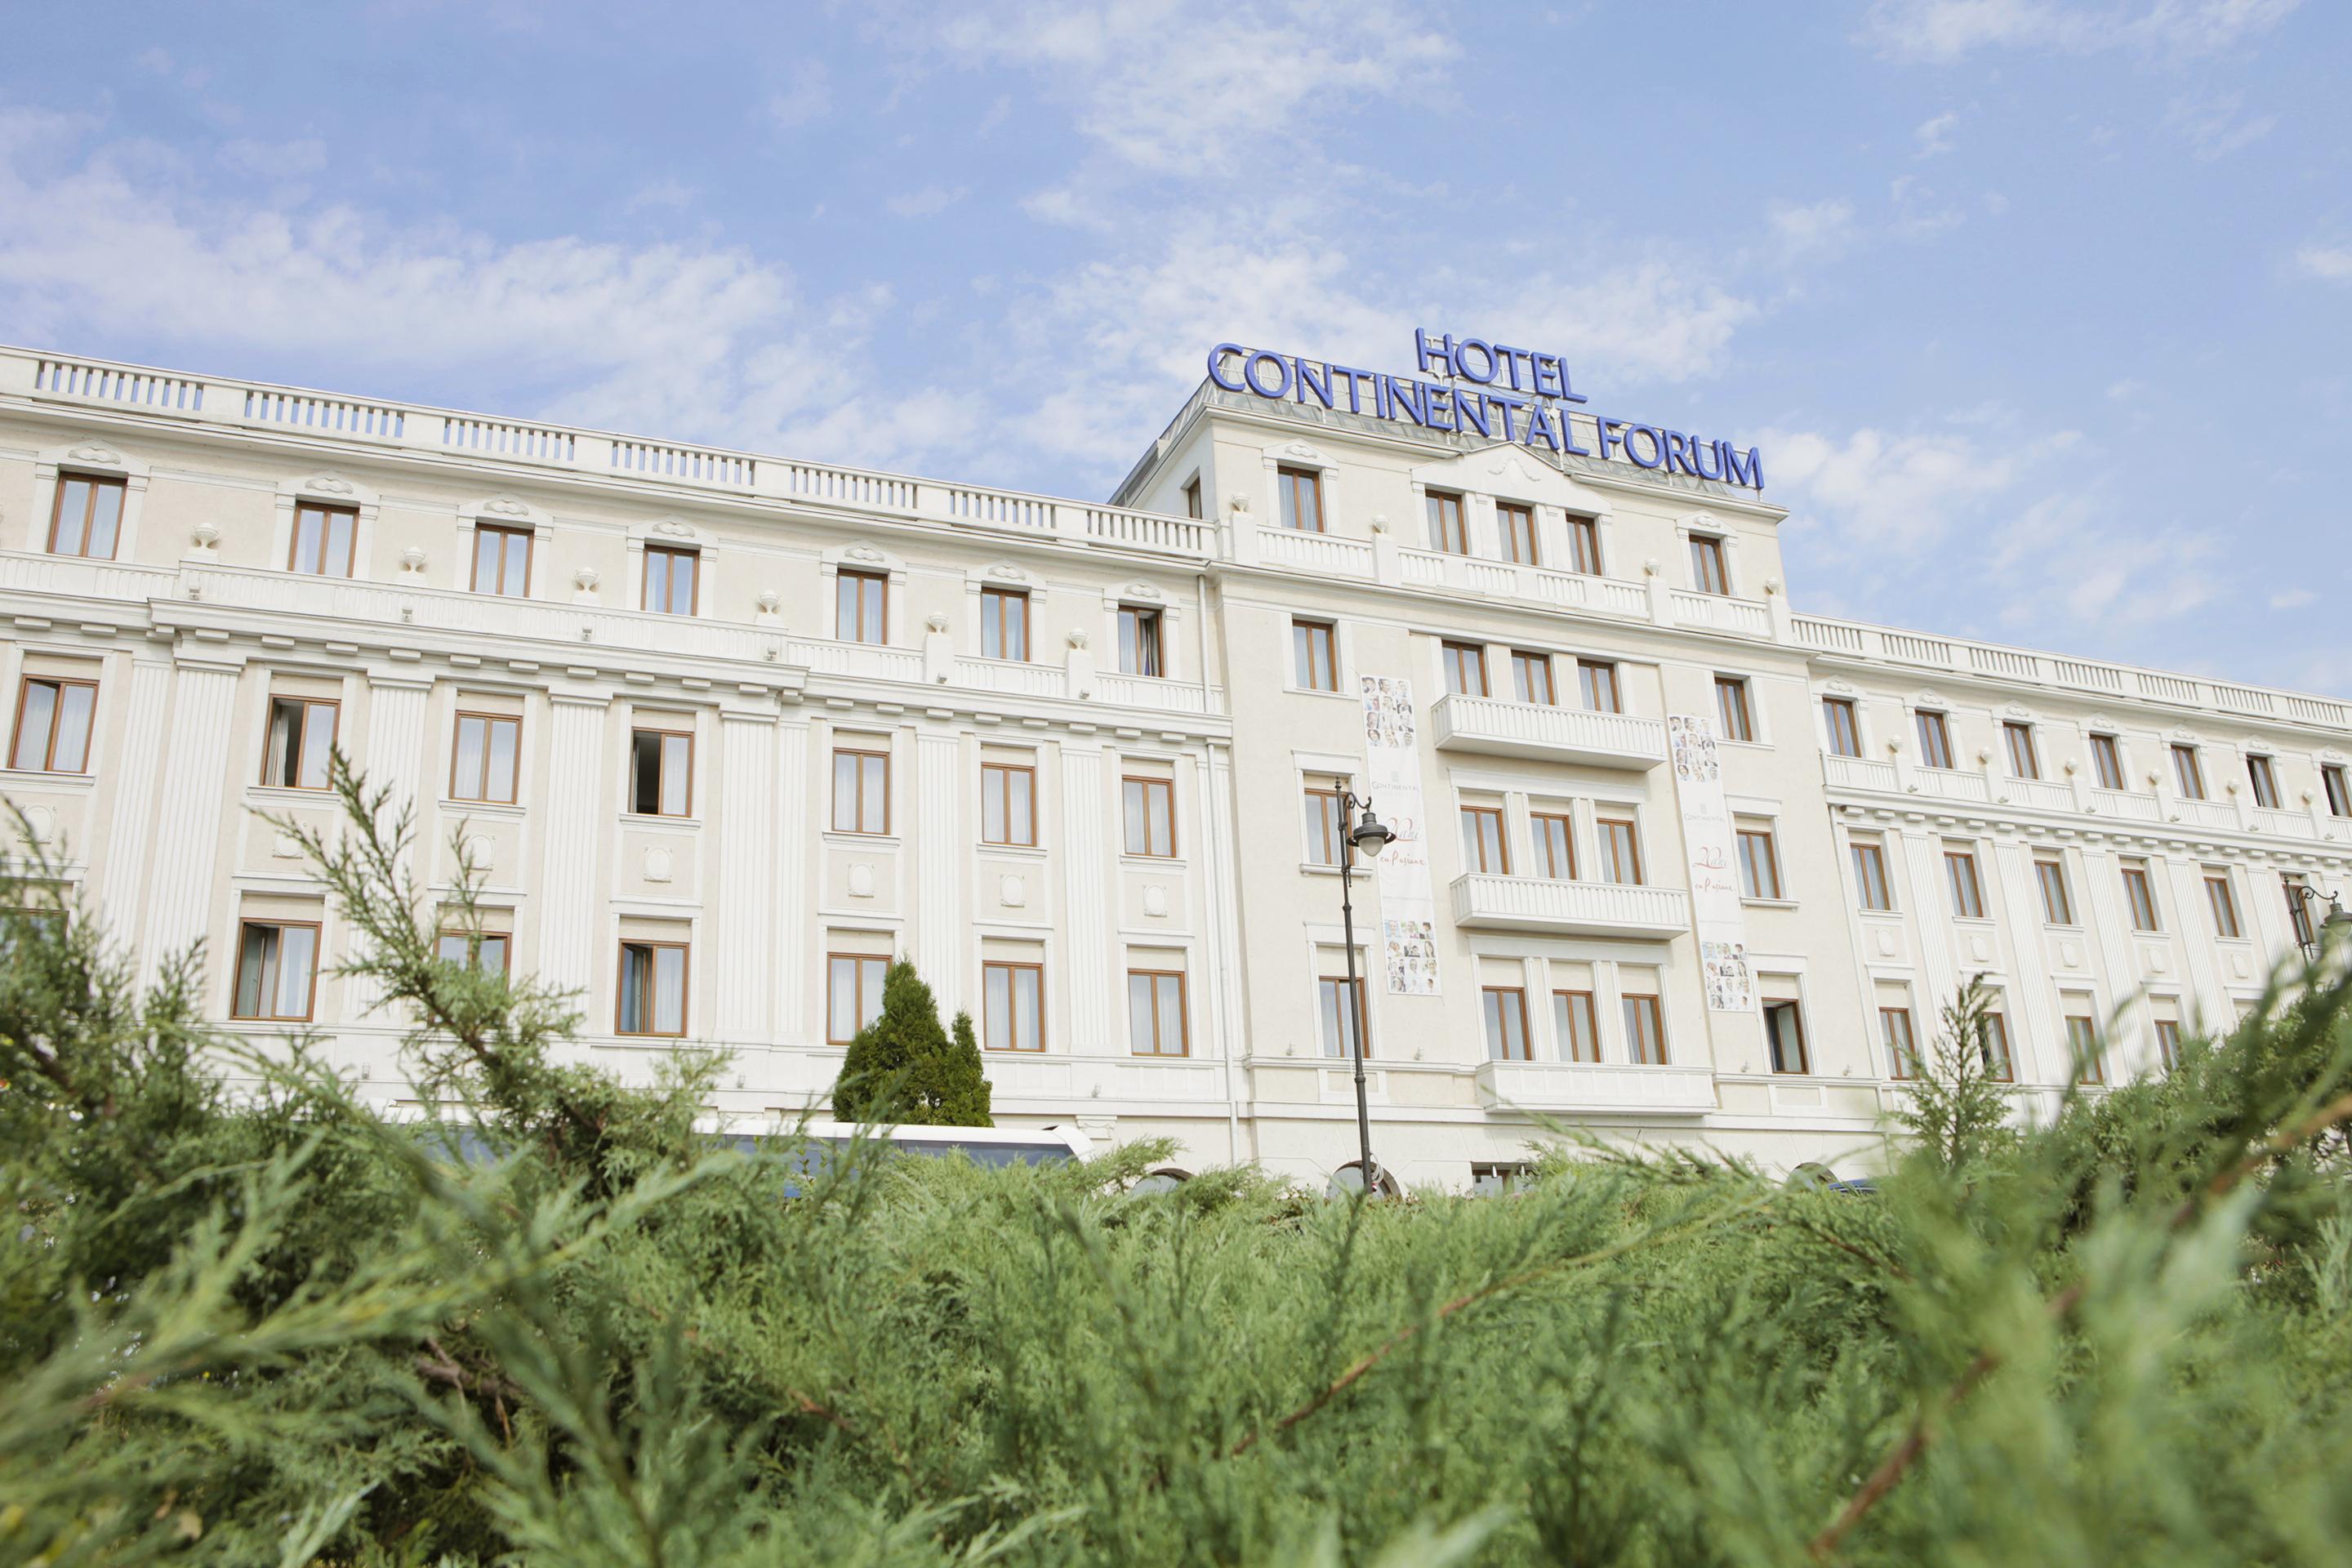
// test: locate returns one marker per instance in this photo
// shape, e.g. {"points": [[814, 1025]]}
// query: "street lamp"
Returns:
{"points": [[1370, 834], [2337, 921]]}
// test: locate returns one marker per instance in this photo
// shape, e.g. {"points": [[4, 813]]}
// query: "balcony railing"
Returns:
{"points": [[1572, 909], [1485, 724], [1600, 1087]]}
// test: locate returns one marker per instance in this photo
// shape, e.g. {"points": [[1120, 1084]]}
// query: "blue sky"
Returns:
{"points": [[2041, 311]]}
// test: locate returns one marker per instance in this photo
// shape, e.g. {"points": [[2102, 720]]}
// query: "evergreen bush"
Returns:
{"points": [[904, 1068]]}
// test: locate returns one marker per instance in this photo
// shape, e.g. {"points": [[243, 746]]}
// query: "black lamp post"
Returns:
{"points": [[1370, 834], [2336, 921]]}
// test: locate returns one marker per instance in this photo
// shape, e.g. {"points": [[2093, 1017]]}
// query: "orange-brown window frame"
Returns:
{"points": [[1515, 524], [96, 482], [1003, 783], [864, 758], [1012, 1005], [1448, 532], [661, 778], [1297, 490], [503, 533], [1145, 790], [56, 713], [1584, 546], [1515, 997], [310, 998], [1585, 1004], [1183, 1011], [488, 723], [1555, 838], [1316, 644], [1463, 658], [994, 603], [1475, 821], [301, 742], [1530, 671], [326, 516], [684, 989], [671, 554], [1632, 842], [857, 586], [1644, 1004]]}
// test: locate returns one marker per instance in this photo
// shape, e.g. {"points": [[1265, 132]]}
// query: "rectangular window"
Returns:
{"points": [[1008, 804], [1465, 669], [1157, 1024], [1192, 496], [1003, 624], [1731, 708], [489, 952], [2083, 1045], [1323, 810], [1531, 676], [1516, 525], [1844, 730], [1300, 491], [1902, 1047], [1138, 641], [321, 546], [661, 772], [2223, 903], [653, 989], [277, 970], [1340, 1006], [1555, 845], [1483, 848], [1784, 1032], [861, 607], [1314, 663], [673, 580], [2264, 779], [1597, 679], [482, 761], [2168, 1042], [501, 561], [861, 791], [2298, 911], [1646, 1032], [2188, 772], [301, 737], [1997, 1062], [1759, 865], [852, 995], [1446, 530], [2141, 898], [1507, 1024], [1150, 808], [1708, 572], [1870, 877], [1013, 999], [1584, 546], [53, 724], [1620, 852], [88, 520], [2024, 761], [2057, 902], [1960, 875], [1576, 1025], [2107, 758], [2338, 789], [1935, 740]]}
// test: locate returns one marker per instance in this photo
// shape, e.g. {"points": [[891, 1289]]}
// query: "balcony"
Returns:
{"points": [[1569, 909], [1616, 1087], [1494, 727]]}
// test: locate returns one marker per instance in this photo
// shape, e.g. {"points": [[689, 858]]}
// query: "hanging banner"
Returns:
{"points": [[1708, 839], [1393, 778]]}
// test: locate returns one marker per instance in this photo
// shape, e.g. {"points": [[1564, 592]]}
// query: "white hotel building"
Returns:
{"points": [[724, 731]]}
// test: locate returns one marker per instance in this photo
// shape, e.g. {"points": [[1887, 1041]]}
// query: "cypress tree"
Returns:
{"points": [[903, 1066]]}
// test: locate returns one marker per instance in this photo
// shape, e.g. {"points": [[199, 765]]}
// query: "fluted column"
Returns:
{"points": [[2194, 911], [188, 829], [395, 762], [568, 906], [939, 845], [790, 961], [137, 769], [743, 927], [1091, 864]]}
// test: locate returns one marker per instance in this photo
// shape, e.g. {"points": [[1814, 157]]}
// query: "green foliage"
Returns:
{"points": [[1957, 1109], [245, 1319], [904, 1068]]}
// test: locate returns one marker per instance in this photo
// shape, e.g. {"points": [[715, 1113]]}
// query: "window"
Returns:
{"points": [[1935, 740], [1465, 669], [1555, 845], [1995, 1048], [1446, 530], [2141, 897], [1150, 806], [2264, 779], [482, 761], [1516, 524], [1323, 811], [1844, 730], [1870, 877], [487, 952], [1960, 875], [2298, 911], [2057, 902], [1731, 707], [1157, 1024], [673, 580], [1708, 572], [301, 737], [1760, 867], [1507, 1024], [89, 517], [1492, 1180], [653, 989], [1646, 1032], [1138, 641], [1008, 804], [2107, 758], [1620, 852], [501, 561], [2083, 1043], [2223, 903], [861, 607], [1576, 1026], [322, 540], [1300, 491], [1314, 665], [661, 772], [1584, 546], [861, 791], [1597, 678], [1483, 848], [1784, 1033], [277, 970], [2024, 762], [1012, 1006], [2188, 772], [1340, 1006], [1902, 1047], [2168, 1042], [1531, 676], [1003, 624], [53, 719], [2338, 790], [853, 996], [1192, 496]]}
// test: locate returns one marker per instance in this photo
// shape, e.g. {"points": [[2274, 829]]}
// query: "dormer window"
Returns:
{"points": [[1709, 572], [1301, 494]]}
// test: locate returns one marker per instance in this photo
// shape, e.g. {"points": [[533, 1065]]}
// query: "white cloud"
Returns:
{"points": [[2126, 390], [1935, 136], [2292, 598], [1824, 226], [662, 193], [1943, 31], [2328, 263], [2214, 127], [1895, 494], [923, 203], [274, 160], [806, 96]]}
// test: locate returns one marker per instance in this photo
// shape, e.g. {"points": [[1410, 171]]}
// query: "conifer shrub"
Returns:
{"points": [[904, 1068]]}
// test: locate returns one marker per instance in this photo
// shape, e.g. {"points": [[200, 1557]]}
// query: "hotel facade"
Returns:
{"points": [[721, 733]]}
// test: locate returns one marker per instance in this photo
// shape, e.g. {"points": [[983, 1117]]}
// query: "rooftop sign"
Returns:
{"points": [[1491, 389]]}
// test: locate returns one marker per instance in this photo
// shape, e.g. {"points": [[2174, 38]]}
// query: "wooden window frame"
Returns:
{"points": [[301, 742], [1292, 485], [311, 997], [1903, 1056], [2168, 1042], [1191, 493], [865, 755], [1566, 838], [1363, 1015], [2298, 908], [1309, 639], [1594, 672], [1474, 821], [1566, 1043], [1996, 1044], [2188, 772], [858, 981], [1183, 1011], [25, 685], [1460, 657], [1518, 1000], [1329, 831], [994, 602], [1732, 706], [1149, 639], [1842, 722], [2139, 901], [1449, 526], [1126, 822], [2084, 1046], [2057, 898], [115, 482], [488, 720], [1523, 662], [1710, 565], [474, 942], [1870, 877], [2335, 788], [327, 514], [1516, 520], [2221, 900], [1742, 839], [1645, 1002], [2024, 756], [858, 583], [503, 533], [1633, 841], [2262, 773], [1013, 1005], [661, 772], [1584, 546], [1004, 783], [1955, 863], [684, 989], [1804, 1067], [1935, 753], [2107, 762], [671, 554]]}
